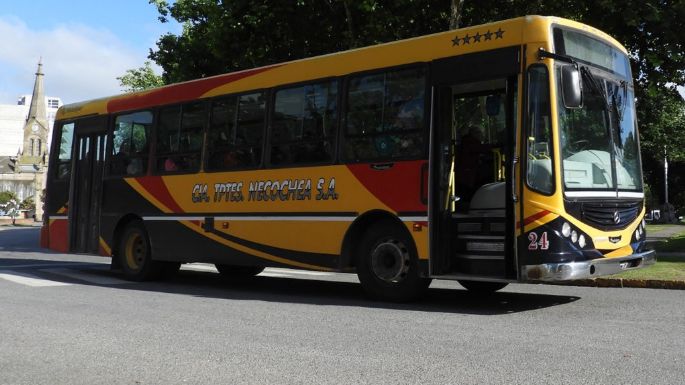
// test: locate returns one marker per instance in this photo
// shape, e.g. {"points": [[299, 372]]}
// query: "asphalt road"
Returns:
{"points": [[66, 319]]}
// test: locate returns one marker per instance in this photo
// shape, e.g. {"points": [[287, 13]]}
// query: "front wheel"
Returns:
{"points": [[482, 287], [387, 266]]}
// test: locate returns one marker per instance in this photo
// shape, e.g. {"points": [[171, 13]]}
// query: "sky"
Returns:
{"points": [[84, 45]]}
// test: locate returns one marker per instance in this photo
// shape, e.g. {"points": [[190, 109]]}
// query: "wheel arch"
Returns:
{"points": [[355, 233]]}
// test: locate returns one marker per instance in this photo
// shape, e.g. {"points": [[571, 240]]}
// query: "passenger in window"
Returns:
{"points": [[170, 165], [135, 166], [471, 160], [120, 159]]}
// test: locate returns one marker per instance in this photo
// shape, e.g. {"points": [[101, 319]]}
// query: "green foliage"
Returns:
{"points": [[6, 196], [140, 79], [27, 204]]}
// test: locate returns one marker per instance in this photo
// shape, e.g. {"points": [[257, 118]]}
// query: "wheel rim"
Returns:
{"points": [[390, 261], [135, 251]]}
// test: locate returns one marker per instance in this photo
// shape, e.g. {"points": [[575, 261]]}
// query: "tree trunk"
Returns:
{"points": [[352, 41], [455, 13]]}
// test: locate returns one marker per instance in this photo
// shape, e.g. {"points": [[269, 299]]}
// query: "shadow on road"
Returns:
{"points": [[276, 289]]}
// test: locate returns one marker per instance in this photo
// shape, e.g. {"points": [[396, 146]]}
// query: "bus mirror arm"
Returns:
{"points": [[571, 84]]}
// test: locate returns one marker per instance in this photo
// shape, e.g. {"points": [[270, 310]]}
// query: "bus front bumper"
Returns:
{"points": [[551, 272]]}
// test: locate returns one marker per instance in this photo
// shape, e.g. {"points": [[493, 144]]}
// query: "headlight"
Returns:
{"points": [[581, 241], [637, 234], [574, 236], [566, 229]]}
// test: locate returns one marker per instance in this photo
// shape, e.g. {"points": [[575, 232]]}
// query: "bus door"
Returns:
{"points": [[473, 140], [90, 138]]}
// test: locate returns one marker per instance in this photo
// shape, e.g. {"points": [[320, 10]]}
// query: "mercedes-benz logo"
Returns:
{"points": [[617, 218]]}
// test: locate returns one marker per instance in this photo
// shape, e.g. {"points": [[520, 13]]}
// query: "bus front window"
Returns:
{"points": [[599, 145]]}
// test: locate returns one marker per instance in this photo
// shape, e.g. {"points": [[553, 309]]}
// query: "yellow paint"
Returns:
{"points": [[105, 246], [314, 237], [251, 251]]}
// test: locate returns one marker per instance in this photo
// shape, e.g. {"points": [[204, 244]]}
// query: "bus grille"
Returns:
{"points": [[610, 215]]}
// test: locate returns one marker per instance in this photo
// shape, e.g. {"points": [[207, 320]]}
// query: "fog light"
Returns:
{"points": [[566, 229], [574, 236], [581, 241]]}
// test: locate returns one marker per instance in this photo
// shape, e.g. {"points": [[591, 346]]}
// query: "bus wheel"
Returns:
{"points": [[481, 287], [388, 267], [234, 271], [135, 254]]}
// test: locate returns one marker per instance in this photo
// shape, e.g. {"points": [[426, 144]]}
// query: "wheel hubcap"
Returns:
{"points": [[390, 261], [136, 250]]}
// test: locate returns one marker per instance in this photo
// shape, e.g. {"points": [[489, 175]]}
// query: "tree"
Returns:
{"points": [[140, 79], [6, 196]]}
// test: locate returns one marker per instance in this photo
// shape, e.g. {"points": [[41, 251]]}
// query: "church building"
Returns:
{"points": [[23, 172]]}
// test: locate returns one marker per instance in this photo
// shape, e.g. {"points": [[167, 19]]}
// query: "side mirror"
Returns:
{"points": [[571, 86]]}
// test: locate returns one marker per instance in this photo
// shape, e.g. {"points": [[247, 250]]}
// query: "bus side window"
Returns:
{"points": [[385, 115], [130, 144], [539, 173], [236, 132], [63, 166], [303, 127], [179, 137]]}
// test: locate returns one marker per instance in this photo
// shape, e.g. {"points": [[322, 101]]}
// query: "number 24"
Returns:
{"points": [[543, 243]]}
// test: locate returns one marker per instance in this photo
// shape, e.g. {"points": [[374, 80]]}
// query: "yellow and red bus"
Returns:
{"points": [[504, 152]]}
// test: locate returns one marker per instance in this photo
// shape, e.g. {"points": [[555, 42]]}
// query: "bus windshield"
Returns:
{"points": [[599, 142]]}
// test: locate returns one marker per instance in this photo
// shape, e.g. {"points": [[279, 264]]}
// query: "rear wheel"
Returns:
{"points": [[233, 271], [388, 267], [482, 287], [135, 256]]}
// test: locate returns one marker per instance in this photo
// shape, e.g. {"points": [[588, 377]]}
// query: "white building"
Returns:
{"points": [[12, 120]]}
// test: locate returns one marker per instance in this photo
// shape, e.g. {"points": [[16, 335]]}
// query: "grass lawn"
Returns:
{"points": [[674, 244], [670, 268]]}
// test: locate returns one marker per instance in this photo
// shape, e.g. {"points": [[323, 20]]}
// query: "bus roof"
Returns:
{"points": [[426, 48]]}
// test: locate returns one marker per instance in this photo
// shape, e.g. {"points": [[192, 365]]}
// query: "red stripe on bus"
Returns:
{"points": [[396, 184], [176, 93], [533, 218], [156, 187]]}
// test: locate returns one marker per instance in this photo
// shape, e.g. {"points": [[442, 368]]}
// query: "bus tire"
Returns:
{"points": [[234, 271], [135, 254], [388, 267], [482, 287]]}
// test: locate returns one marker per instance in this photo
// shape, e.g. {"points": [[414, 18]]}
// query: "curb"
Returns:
{"points": [[625, 282]]}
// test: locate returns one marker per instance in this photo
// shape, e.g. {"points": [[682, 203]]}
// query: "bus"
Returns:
{"points": [[503, 152]]}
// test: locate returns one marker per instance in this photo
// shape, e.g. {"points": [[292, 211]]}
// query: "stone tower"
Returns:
{"points": [[33, 156]]}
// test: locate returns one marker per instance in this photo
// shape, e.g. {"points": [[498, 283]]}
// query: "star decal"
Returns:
{"points": [[468, 39]]}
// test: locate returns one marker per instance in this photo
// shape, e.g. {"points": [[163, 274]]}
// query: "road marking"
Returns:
{"points": [[199, 267], [293, 271], [268, 272], [274, 275], [90, 277], [66, 264], [29, 280]]}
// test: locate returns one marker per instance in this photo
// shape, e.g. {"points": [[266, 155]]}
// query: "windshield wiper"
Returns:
{"points": [[595, 85]]}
